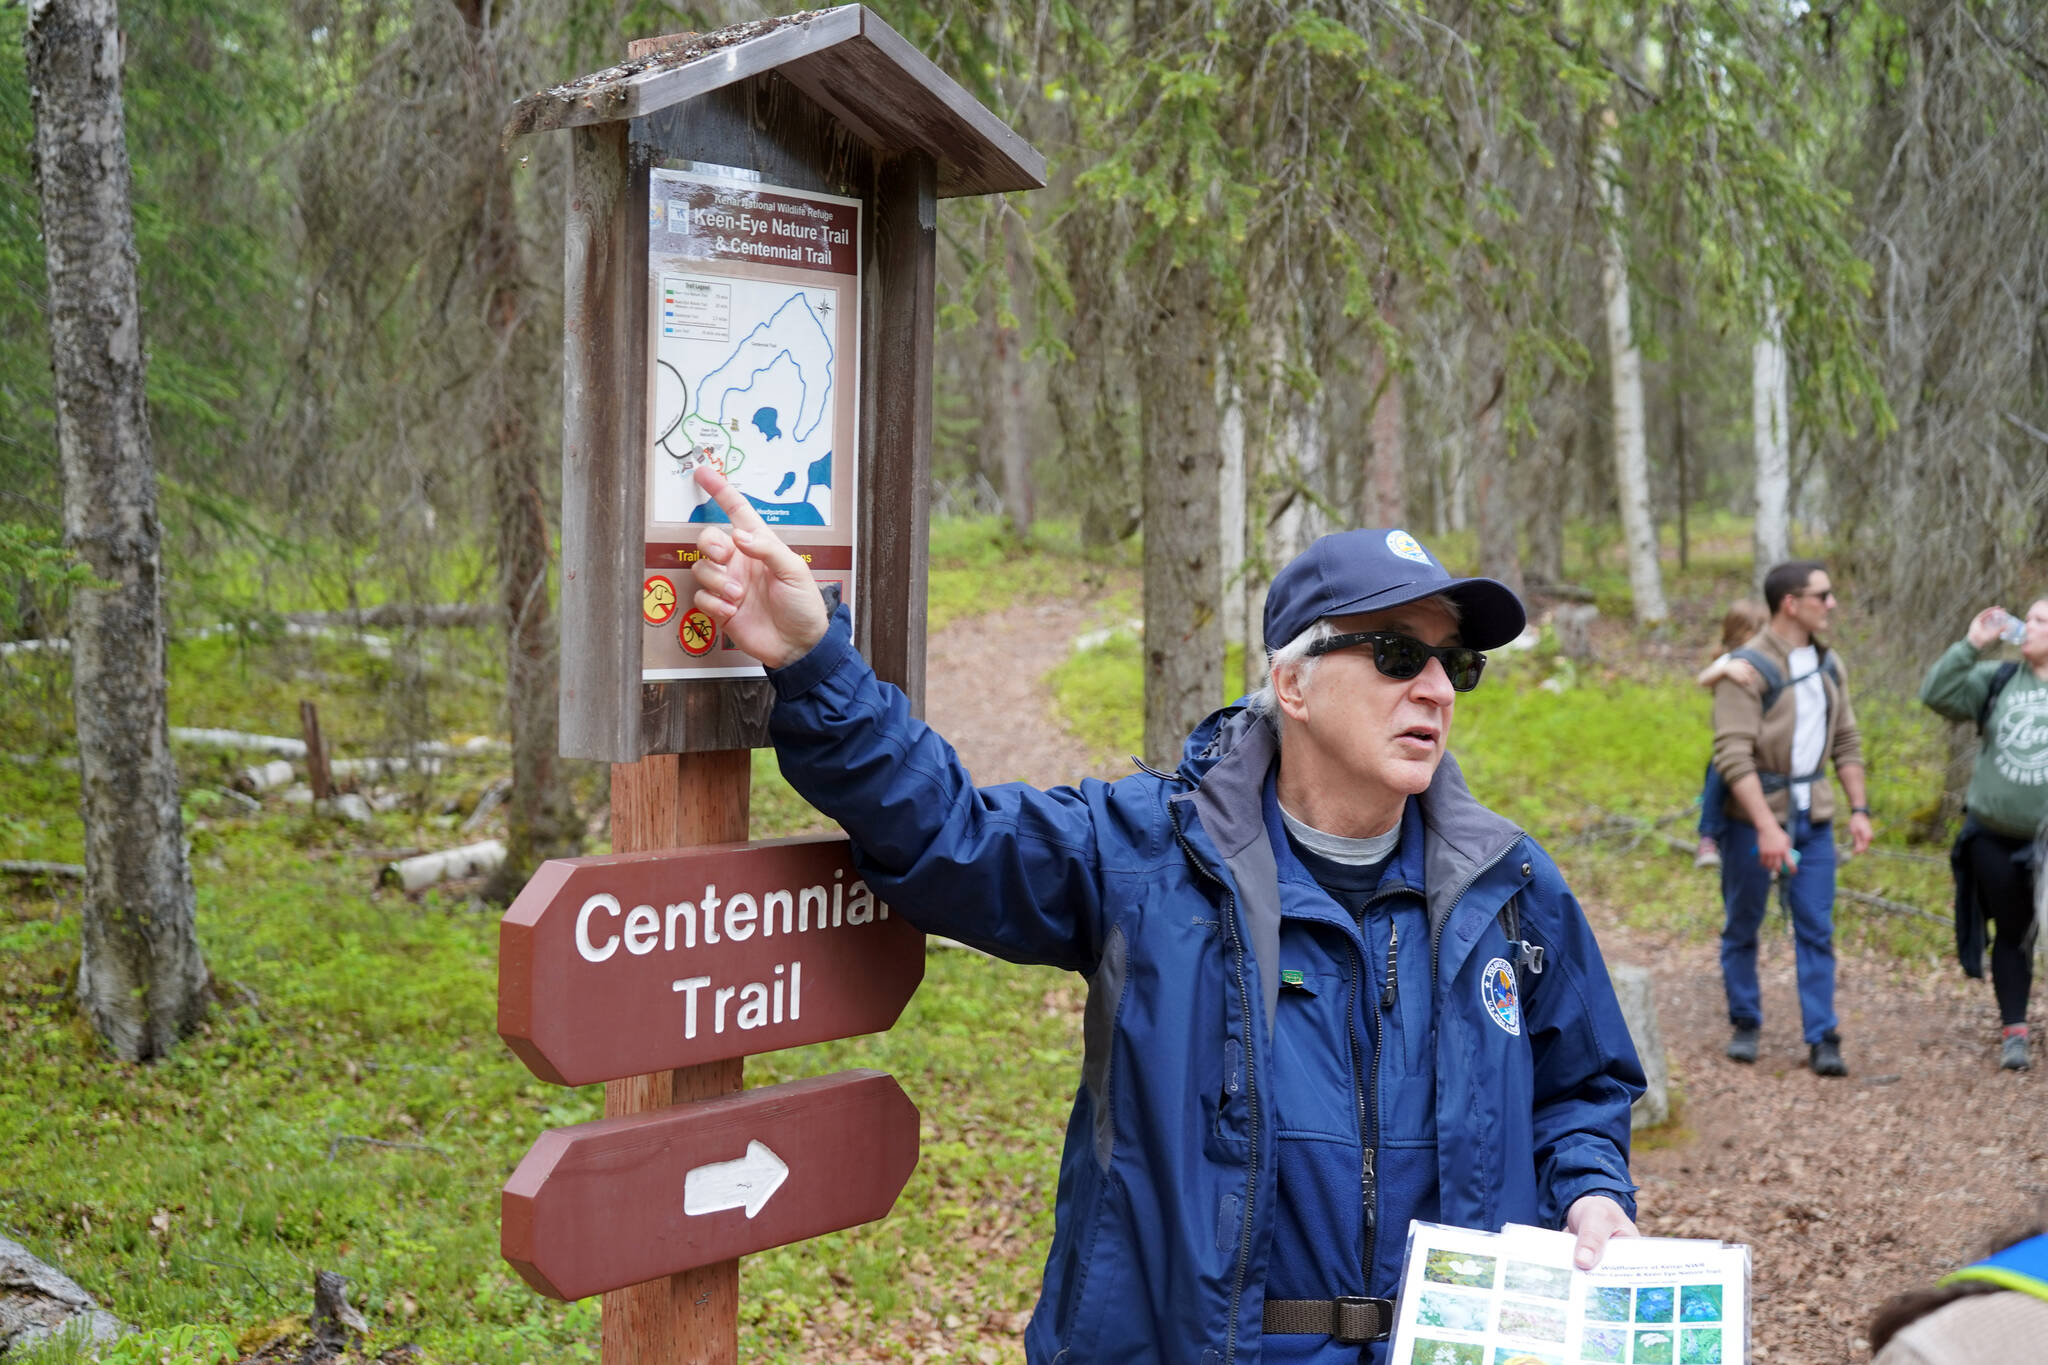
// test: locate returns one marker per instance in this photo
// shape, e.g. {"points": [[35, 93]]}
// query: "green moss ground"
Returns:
{"points": [[349, 1106]]}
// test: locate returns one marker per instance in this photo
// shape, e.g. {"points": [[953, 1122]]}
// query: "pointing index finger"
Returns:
{"points": [[753, 536], [730, 500]]}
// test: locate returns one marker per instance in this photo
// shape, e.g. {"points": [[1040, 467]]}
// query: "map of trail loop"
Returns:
{"points": [[747, 370]]}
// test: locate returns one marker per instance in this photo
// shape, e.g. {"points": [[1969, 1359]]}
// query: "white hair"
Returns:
{"points": [[1295, 655]]}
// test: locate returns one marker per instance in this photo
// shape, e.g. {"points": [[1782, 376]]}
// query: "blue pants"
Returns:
{"points": [[1746, 894], [1713, 805]]}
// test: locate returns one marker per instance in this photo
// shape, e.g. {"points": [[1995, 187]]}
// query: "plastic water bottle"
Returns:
{"points": [[2011, 629], [1789, 869]]}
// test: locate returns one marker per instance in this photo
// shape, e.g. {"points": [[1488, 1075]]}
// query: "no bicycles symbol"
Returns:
{"points": [[697, 633]]}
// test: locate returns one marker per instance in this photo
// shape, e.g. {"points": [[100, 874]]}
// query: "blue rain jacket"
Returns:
{"points": [[1164, 893]]}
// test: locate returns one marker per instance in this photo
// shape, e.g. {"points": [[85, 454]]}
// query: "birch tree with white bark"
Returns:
{"points": [[1770, 418], [1625, 369], [142, 981]]}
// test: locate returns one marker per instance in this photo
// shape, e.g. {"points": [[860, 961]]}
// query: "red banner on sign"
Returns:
{"points": [[637, 962], [607, 1204]]}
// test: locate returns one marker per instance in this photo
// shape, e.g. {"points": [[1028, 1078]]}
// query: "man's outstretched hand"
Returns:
{"points": [[758, 591]]}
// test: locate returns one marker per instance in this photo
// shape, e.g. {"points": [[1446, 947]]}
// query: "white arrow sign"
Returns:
{"points": [[748, 1183]]}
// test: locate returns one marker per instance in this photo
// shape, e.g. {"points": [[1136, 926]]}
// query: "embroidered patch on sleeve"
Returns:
{"points": [[1497, 993]]}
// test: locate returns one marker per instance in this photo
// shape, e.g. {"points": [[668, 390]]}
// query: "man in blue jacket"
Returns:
{"points": [[1329, 992]]}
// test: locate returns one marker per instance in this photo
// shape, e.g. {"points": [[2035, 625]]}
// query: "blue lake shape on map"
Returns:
{"points": [[779, 378], [774, 513]]}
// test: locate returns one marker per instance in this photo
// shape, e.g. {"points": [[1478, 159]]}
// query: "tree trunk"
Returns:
{"points": [[1183, 473], [1096, 401], [1492, 498], [1296, 451], [1385, 501], [1769, 375], [1680, 455], [1456, 514], [1231, 511], [1006, 439], [1625, 366], [540, 817], [141, 979], [1551, 488]]}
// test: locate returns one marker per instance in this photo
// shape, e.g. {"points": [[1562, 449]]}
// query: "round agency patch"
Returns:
{"points": [[1497, 993], [1406, 546]]}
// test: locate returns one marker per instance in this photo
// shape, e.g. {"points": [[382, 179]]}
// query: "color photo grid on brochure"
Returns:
{"points": [[1515, 1299]]}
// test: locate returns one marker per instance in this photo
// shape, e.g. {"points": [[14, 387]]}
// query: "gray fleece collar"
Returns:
{"points": [[1461, 837]]}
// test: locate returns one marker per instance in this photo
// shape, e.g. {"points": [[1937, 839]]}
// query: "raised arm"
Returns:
{"points": [[1007, 868], [1957, 684]]}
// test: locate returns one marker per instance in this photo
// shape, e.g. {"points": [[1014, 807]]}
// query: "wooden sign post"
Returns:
{"points": [[750, 267]]}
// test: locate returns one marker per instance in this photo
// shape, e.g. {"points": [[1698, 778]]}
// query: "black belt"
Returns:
{"points": [[1349, 1318]]}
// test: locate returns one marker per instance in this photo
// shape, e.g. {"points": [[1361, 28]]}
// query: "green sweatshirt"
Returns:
{"points": [[2009, 789]]}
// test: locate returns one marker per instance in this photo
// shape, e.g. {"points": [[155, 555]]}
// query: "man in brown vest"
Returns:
{"points": [[1774, 735]]}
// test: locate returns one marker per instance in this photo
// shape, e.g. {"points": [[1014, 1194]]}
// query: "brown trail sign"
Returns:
{"points": [[805, 154], [638, 962], [608, 1204]]}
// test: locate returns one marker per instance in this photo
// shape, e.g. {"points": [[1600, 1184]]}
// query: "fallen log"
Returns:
{"points": [[236, 739], [400, 616], [470, 860], [263, 777], [493, 797], [380, 769], [17, 868]]}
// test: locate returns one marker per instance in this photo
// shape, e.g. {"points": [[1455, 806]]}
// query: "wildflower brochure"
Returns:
{"points": [[1513, 1297]]}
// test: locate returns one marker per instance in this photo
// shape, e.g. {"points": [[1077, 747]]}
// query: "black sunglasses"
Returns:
{"points": [[1401, 656]]}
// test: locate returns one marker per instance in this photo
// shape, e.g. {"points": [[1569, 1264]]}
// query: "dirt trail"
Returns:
{"points": [[985, 691], [1845, 1190]]}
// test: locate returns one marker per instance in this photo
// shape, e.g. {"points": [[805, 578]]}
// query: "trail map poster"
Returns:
{"points": [[753, 313]]}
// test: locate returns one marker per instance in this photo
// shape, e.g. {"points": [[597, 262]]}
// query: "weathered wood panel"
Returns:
{"points": [[881, 83], [857, 68], [898, 314], [672, 802], [764, 124], [603, 427], [768, 125]]}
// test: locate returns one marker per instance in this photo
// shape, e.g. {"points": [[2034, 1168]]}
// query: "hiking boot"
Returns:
{"points": [[2012, 1053], [1742, 1047], [1825, 1057], [1709, 854]]}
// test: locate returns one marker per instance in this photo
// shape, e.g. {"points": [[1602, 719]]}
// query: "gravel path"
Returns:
{"points": [[985, 691], [1851, 1190], [1846, 1191]]}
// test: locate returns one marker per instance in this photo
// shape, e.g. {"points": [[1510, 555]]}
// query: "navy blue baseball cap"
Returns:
{"points": [[1348, 572]]}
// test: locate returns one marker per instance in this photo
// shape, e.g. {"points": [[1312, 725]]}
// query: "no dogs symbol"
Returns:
{"points": [[697, 633], [657, 600]]}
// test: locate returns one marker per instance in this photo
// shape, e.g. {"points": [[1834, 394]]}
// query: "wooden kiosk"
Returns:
{"points": [[831, 101], [750, 278]]}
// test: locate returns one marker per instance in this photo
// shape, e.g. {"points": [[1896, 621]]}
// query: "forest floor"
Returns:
{"points": [[1846, 1190]]}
